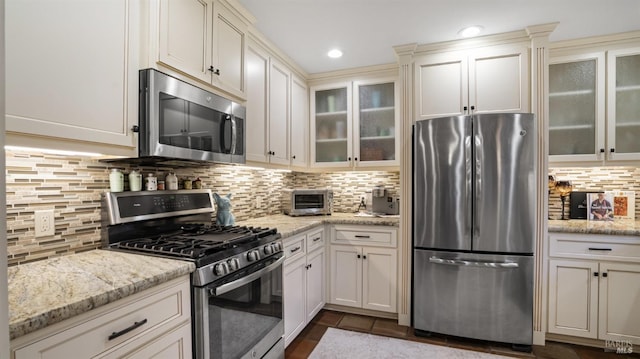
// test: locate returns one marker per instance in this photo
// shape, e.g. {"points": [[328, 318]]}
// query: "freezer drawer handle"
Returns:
{"points": [[458, 262]]}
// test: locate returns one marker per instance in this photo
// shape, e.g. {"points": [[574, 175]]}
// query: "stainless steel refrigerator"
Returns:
{"points": [[474, 198]]}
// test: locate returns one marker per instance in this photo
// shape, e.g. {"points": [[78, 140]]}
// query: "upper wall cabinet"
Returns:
{"points": [[277, 111], [72, 74], [490, 79], [354, 124], [204, 39], [594, 105]]}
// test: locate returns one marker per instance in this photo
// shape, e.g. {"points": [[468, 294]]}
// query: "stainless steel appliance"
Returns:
{"points": [[307, 202], [181, 121], [237, 286], [474, 194], [378, 201]]}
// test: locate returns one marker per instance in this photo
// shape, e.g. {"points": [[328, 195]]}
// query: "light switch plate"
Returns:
{"points": [[45, 225]]}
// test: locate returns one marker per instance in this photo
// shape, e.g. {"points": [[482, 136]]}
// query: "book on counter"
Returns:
{"points": [[607, 205]]}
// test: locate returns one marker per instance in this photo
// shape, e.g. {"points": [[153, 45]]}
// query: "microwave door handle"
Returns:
{"points": [[225, 149], [227, 287], [234, 135]]}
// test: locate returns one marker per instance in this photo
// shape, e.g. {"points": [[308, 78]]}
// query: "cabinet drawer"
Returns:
{"points": [[615, 248], [295, 248], [122, 324], [315, 240], [364, 235]]}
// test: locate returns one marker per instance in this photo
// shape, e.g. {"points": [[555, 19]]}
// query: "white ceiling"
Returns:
{"points": [[366, 30]]}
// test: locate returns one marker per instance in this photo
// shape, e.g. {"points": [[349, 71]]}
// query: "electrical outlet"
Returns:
{"points": [[45, 225]]}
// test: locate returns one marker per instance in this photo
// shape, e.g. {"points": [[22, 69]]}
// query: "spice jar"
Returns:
{"points": [[151, 182], [116, 180], [187, 184], [161, 186], [197, 184], [171, 181], [135, 180]]}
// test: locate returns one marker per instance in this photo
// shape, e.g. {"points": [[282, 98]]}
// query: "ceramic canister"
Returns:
{"points": [[116, 180], [151, 182], [135, 180]]}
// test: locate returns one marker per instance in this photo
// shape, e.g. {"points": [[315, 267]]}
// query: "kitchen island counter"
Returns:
{"points": [[289, 226], [616, 227], [49, 291]]}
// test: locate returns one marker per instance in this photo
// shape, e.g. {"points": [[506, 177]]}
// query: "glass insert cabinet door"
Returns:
{"points": [[576, 108], [332, 114], [623, 115], [375, 122]]}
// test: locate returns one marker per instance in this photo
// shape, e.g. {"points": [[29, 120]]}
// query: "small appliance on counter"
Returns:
{"points": [[378, 201], [307, 202]]}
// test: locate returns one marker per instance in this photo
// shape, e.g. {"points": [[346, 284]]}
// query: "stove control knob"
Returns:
{"points": [[277, 246], [220, 269], [253, 255], [234, 264], [268, 249]]}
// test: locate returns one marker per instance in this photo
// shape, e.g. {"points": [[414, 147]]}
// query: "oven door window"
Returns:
{"points": [[241, 313], [309, 201]]}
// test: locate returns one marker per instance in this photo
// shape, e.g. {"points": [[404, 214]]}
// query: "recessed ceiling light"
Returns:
{"points": [[334, 54], [470, 31]]}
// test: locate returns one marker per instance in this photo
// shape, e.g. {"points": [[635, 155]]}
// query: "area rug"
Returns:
{"points": [[337, 343]]}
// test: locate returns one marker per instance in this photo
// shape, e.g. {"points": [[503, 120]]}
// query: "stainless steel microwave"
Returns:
{"points": [[307, 202], [184, 122]]}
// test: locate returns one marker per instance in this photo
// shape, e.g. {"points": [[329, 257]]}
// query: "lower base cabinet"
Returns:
{"points": [[594, 289], [303, 281], [159, 319]]}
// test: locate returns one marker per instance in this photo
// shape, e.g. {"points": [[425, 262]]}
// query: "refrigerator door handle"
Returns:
{"points": [[478, 155], [463, 263], [468, 155]]}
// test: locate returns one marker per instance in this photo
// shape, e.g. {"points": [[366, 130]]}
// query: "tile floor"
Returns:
{"points": [[303, 345]]}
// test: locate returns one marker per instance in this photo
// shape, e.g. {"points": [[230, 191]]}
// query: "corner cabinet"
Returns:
{"points": [[594, 106], [204, 39], [277, 111], [594, 286], [354, 124], [489, 79], [303, 280], [363, 267], [83, 94], [153, 323]]}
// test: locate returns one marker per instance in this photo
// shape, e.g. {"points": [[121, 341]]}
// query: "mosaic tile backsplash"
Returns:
{"points": [[595, 179], [72, 186]]}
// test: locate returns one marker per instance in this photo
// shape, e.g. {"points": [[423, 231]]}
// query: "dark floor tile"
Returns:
{"points": [[436, 339], [390, 328], [553, 350], [328, 318], [314, 331], [302, 349], [356, 322]]}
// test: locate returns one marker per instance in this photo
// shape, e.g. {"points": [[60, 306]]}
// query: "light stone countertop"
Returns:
{"points": [[616, 227], [289, 226], [49, 291]]}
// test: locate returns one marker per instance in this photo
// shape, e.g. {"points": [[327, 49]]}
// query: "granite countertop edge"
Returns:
{"points": [[75, 296], [617, 227]]}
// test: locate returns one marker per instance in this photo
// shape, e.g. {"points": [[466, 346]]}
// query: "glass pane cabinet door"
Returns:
{"points": [[573, 108], [332, 125], [376, 121], [625, 121]]}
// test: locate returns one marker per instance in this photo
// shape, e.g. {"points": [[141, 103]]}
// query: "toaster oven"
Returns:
{"points": [[308, 202]]}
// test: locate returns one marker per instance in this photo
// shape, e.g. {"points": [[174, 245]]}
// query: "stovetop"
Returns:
{"points": [[200, 243]]}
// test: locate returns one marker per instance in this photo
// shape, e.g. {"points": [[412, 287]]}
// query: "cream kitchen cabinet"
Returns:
{"points": [[594, 283], [277, 111], [153, 322], [488, 79], [354, 124], [72, 75], [363, 267], [204, 39], [594, 112], [303, 281]]}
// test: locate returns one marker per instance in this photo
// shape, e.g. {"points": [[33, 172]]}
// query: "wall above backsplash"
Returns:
{"points": [[595, 179], [72, 187]]}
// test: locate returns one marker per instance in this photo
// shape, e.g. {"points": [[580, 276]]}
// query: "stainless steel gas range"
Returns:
{"points": [[237, 286]]}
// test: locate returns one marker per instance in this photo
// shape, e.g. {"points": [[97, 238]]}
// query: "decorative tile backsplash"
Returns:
{"points": [[72, 186], [594, 179]]}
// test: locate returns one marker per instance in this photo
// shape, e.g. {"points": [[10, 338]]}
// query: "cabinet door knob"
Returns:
{"points": [[595, 274], [214, 70], [604, 274], [135, 128], [358, 256], [473, 108], [348, 158], [602, 150], [364, 257], [355, 159], [294, 157], [464, 108], [612, 150]]}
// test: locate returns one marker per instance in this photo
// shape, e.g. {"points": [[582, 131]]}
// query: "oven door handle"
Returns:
{"points": [[227, 287]]}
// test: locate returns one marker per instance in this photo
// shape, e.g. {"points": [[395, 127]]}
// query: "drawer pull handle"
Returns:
{"points": [[361, 236], [295, 249], [316, 239], [127, 330], [600, 249]]}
